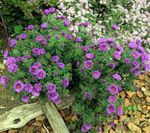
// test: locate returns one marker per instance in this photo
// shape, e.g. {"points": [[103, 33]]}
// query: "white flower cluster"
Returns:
{"points": [[137, 15]]}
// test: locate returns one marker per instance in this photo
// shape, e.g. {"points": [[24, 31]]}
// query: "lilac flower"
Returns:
{"points": [[85, 48], [12, 42], [18, 86], [132, 45], [41, 74], [25, 99], [117, 55], [30, 27], [79, 40], [119, 111], [39, 38], [127, 61], [113, 89], [102, 40], [13, 68], [110, 40], [89, 56], [135, 54], [65, 82], [53, 96], [4, 80], [61, 65], [111, 108], [114, 27], [96, 74], [119, 48], [28, 88], [44, 26], [117, 77], [38, 65], [10, 60], [38, 86], [6, 54], [112, 65], [112, 99], [51, 88], [88, 64], [52, 10], [66, 22], [35, 92], [33, 70], [103, 47], [68, 37], [23, 36]]}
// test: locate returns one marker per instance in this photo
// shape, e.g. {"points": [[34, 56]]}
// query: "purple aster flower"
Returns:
{"points": [[85, 48], [89, 56], [39, 38], [147, 67], [44, 26], [53, 96], [112, 65], [145, 57], [30, 27], [13, 68], [96, 74], [103, 47], [79, 39], [119, 111], [113, 89], [51, 88], [46, 11], [57, 36], [114, 27], [136, 64], [25, 99], [18, 86], [110, 40], [92, 46], [117, 77], [52, 10], [38, 86], [23, 36], [83, 129], [119, 48], [38, 65], [132, 45], [139, 41], [6, 54], [41, 74], [19, 59], [65, 82], [112, 99], [28, 88], [35, 92], [87, 95], [102, 40], [12, 42], [137, 71], [55, 28], [25, 57], [88, 64], [140, 49], [85, 24], [119, 88], [77, 63], [48, 36], [42, 51], [68, 37], [10, 60], [86, 127], [33, 70], [117, 55], [111, 108], [4, 80], [127, 61], [55, 58], [61, 65], [67, 22], [57, 101], [135, 54]]}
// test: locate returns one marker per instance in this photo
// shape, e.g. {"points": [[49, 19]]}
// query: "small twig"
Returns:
{"points": [[45, 128]]}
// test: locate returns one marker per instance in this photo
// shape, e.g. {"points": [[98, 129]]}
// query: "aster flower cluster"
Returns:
{"points": [[54, 60]]}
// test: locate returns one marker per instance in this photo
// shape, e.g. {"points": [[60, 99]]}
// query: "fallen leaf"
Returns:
{"points": [[147, 99], [141, 77], [116, 121], [123, 117], [133, 127], [74, 118], [146, 129], [122, 94], [139, 94], [43, 130], [112, 131], [37, 123], [130, 93], [40, 118], [126, 102], [30, 129]]}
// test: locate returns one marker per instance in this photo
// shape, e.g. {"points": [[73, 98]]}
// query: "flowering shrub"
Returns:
{"points": [[53, 61]]}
